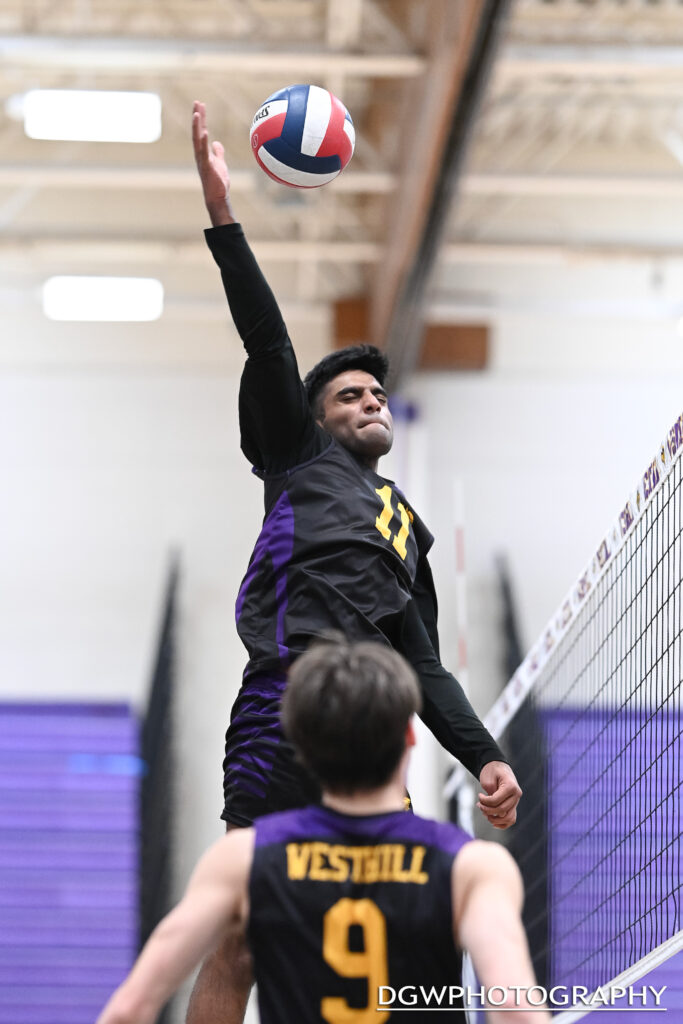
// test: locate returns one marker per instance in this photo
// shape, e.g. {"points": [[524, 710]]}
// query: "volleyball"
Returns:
{"points": [[302, 136]]}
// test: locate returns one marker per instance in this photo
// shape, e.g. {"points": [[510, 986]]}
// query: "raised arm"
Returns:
{"points": [[215, 903], [487, 904], [276, 425]]}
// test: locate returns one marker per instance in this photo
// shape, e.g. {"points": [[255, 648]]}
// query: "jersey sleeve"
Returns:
{"points": [[446, 711], [424, 596], [277, 429]]}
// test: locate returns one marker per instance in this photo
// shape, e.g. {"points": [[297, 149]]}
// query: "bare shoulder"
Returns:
{"points": [[240, 839], [480, 858], [229, 858], [484, 863], [236, 846]]}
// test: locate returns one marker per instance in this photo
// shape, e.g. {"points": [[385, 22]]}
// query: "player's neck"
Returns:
{"points": [[371, 801], [371, 463], [368, 461]]}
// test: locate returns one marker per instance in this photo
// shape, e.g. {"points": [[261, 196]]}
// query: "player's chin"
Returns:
{"points": [[375, 439]]}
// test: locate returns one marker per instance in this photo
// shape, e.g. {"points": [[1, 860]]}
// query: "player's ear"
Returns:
{"points": [[411, 738], [319, 405], [319, 412]]}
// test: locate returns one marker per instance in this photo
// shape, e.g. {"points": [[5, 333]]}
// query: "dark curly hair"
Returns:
{"points": [[353, 357]]}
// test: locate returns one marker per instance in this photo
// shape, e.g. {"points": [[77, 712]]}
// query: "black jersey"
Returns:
{"points": [[345, 909], [340, 547]]}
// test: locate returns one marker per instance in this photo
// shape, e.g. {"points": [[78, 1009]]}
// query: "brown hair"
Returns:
{"points": [[346, 708]]}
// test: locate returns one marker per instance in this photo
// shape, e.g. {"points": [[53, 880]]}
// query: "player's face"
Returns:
{"points": [[356, 413]]}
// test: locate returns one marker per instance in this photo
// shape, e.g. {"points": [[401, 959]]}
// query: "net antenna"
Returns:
{"points": [[599, 698]]}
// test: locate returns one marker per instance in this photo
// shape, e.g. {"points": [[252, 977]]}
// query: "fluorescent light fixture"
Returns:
{"points": [[92, 116], [103, 298]]}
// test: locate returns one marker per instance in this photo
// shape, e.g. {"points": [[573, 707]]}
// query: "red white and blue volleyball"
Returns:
{"points": [[302, 136]]}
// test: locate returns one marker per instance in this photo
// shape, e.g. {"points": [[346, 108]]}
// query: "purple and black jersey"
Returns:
{"points": [[340, 548], [343, 909]]}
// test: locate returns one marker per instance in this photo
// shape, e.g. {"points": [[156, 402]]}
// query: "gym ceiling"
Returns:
{"points": [[495, 142]]}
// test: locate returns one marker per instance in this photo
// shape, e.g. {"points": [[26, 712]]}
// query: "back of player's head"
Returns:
{"points": [[346, 709], [353, 357]]}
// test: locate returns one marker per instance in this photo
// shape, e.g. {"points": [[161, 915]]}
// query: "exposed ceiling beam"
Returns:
{"points": [[166, 178], [605, 185], [36, 252], [457, 312], [627, 61], [160, 177], [432, 105], [555, 254], [124, 250], [462, 51], [155, 56]]}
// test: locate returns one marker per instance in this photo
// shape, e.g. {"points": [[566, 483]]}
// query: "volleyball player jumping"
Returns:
{"points": [[340, 547]]}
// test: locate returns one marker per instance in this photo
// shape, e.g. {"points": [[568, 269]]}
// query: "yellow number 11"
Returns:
{"points": [[371, 963], [382, 521]]}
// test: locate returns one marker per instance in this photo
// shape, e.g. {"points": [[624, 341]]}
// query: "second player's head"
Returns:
{"points": [[346, 393], [346, 709]]}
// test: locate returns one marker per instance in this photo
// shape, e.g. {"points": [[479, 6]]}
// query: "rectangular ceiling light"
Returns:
{"points": [[92, 116], [103, 298]]}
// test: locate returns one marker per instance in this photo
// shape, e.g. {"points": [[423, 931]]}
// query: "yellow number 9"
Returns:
{"points": [[371, 963]]}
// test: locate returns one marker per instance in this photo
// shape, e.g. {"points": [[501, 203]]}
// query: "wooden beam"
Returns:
{"points": [[457, 65], [165, 177], [195, 57], [119, 249], [591, 61]]}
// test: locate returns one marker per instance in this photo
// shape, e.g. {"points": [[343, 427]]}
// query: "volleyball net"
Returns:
{"points": [[592, 723]]}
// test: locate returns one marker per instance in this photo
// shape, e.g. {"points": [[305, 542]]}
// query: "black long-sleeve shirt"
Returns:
{"points": [[320, 561]]}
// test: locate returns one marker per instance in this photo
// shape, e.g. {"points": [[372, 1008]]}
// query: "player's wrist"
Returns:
{"points": [[220, 212]]}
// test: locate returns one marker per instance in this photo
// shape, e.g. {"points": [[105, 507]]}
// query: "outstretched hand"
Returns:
{"points": [[502, 793], [213, 170]]}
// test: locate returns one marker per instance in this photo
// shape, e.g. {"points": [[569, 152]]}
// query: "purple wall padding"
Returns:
{"points": [[614, 828], [69, 835]]}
